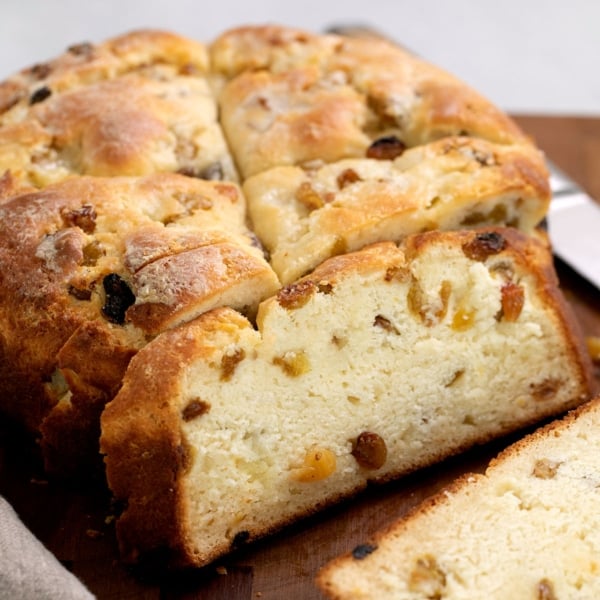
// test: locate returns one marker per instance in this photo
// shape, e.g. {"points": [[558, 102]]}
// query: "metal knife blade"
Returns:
{"points": [[574, 226]]}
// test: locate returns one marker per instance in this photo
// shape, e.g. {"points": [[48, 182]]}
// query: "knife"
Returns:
{"points": [[574, 226], [573, 219]]}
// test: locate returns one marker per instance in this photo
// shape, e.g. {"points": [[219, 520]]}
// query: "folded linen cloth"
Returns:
{"points": [[27, 569]]}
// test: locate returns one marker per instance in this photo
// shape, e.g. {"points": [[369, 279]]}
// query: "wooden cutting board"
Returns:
{"points": [[76, 523]]}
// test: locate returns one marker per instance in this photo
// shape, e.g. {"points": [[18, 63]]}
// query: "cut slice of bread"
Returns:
{"points": [[378, 363], [527, 528]]}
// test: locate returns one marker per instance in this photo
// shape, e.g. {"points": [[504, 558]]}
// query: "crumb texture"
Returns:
{"points": [[346, 379], [528, 528]]}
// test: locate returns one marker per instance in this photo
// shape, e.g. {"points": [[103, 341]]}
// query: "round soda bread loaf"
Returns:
{"points": [[527, 528], [194, 232], [377, 363]]}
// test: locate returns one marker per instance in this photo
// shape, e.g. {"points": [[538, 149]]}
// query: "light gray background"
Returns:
{"points": [[531, 56]]}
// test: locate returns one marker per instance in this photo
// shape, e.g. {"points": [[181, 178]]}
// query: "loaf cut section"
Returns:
{"points": [[378, 363]]}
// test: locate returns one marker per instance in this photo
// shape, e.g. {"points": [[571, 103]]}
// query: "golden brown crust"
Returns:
{"points": [[322, 119], [58, 248], [289, 89], [150, 480], [135, 105], [87, 63]]}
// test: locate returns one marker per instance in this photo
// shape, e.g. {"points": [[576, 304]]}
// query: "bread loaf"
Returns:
{"points": [[206, 236], [527, 528], [376, 364]]}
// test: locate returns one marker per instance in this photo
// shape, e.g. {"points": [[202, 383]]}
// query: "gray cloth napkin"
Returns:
{"points": [[27, 569]]}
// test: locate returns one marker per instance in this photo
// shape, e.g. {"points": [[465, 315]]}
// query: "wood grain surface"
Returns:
{"points": [[76, 523]]}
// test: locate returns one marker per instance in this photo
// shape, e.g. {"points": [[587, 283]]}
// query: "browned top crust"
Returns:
{"points": [[135, 105], [86, 63], [293, 97], [124, 257]]}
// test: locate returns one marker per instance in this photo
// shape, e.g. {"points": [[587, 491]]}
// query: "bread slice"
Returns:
{"points": [[133, 105], [378, 363], [92, 269], [527, 528]]}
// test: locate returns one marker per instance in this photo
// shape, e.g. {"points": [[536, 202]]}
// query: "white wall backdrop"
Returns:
{"points": [[526, 55]]}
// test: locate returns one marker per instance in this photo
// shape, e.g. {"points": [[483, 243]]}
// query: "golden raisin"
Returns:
{"points": [[347, 177], [429, 314], [484, 245], [593, 346], [369, 450], [91, 253], [545, 468], [296, 295], [229, 363], [339, 246], [463, 319], [319, 463], [427, 578], [513, 299], [308, 196], [293, 363]]}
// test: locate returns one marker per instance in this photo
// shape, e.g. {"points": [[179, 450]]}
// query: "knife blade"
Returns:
{"points": [[574, 226]]}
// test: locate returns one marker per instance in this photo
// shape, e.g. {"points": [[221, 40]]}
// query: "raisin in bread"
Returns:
{"points": [[378, 363], [93, 268], [527, 528]]}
